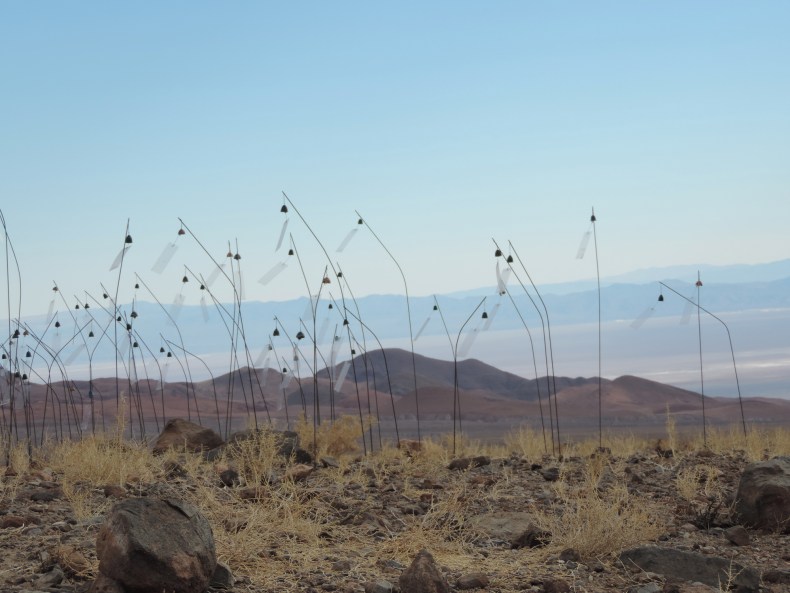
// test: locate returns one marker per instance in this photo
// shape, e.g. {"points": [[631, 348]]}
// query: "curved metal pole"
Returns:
{"points": [[411, 331], [732, 350], [456, 395]]}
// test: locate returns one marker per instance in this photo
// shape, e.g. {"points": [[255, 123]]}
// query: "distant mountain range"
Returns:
{"points": [[383, 386], [754, 299]]}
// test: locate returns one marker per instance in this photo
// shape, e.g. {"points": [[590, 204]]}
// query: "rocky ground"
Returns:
{"points": [[496, 523]]}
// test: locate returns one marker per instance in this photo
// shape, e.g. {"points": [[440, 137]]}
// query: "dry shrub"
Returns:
{"points": [[95, 462], [599, 524], [526, 443], [255, 458], [699, 481], [342, 436]]}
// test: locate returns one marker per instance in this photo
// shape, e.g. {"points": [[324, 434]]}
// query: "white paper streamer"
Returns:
{"points": [[204, 309], [273, 273], [341, 376], [422, 328], [344, 243], [118, 258], [583, 245], [164, 258], [643, 316], [687, 310], [282, 235]]}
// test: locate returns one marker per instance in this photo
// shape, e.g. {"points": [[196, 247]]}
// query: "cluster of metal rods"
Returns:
{"points": [[72, 409]]}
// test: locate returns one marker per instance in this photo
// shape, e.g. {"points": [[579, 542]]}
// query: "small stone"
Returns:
{"points": [[53, 578], [230, 478], [341, 566], [777, 576], [556, 586], [475, 580], [114, 491], [13, 522], [569, 554], [738, 535], [298, 472], [551, 474], [380, 586], [423, 576], [327, 461]]}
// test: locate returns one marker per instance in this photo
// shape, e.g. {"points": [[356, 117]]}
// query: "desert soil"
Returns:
{"points": [[370, 516]]}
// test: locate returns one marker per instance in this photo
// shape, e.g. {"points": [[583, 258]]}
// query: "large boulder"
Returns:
{"points": [[692, 566], [423, 576], [149, 545], [183, 434], [763, 498]]}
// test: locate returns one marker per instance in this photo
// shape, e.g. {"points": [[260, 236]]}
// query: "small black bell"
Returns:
{"points": [[510, 259], [276, 332], [4, 356], [331, 306], [118, 318], [128, 240], [86, 306], [299, 335], [105, 295], [436, 307], [135, 345], [169, 355], [184, 280], [326, 280], [161, 348], [134, 315], [24, 377], [353, 351], [345, 322], [498, 253], [128, 327], [359, 221], [16, 333], [77, 306], [90, 334], [182, 232], [136, 285], [284, 209], [54, 289], [660, 298], [57, 324], [290, 252], [485, 315], [28, 354], [340, 274], [237, 257], [202, 287]]}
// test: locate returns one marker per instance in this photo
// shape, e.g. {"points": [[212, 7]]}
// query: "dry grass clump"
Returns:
{"points": [[758, 444], [336, 438], [596, 521]]}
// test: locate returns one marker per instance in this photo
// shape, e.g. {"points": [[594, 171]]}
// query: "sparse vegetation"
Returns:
{"points": [[364, 512]]}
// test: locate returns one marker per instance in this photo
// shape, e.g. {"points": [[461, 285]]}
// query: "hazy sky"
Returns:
{"points": [[443, 123]]}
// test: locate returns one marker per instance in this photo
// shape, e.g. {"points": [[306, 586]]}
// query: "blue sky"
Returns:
{"points": [[445, 124]]}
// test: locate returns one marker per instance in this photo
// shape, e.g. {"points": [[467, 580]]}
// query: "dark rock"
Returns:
{"points": [[738, 535], [104, 584], [551, 474], [149, 544], [302, 456], [13, 522], [423, 576], [53, 578], [570, 555], [465, 463], [691, 566], [648, 588], [531, 537], [475, 580], [328, 461], [763, 498], [777, 576], [46, 495], [556, 586], [183, 434], [114, 491], [685, 587], [222, 578], [230, 478]]}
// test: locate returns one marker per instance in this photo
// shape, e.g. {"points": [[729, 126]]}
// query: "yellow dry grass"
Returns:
{"points": [[271, 528]]}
